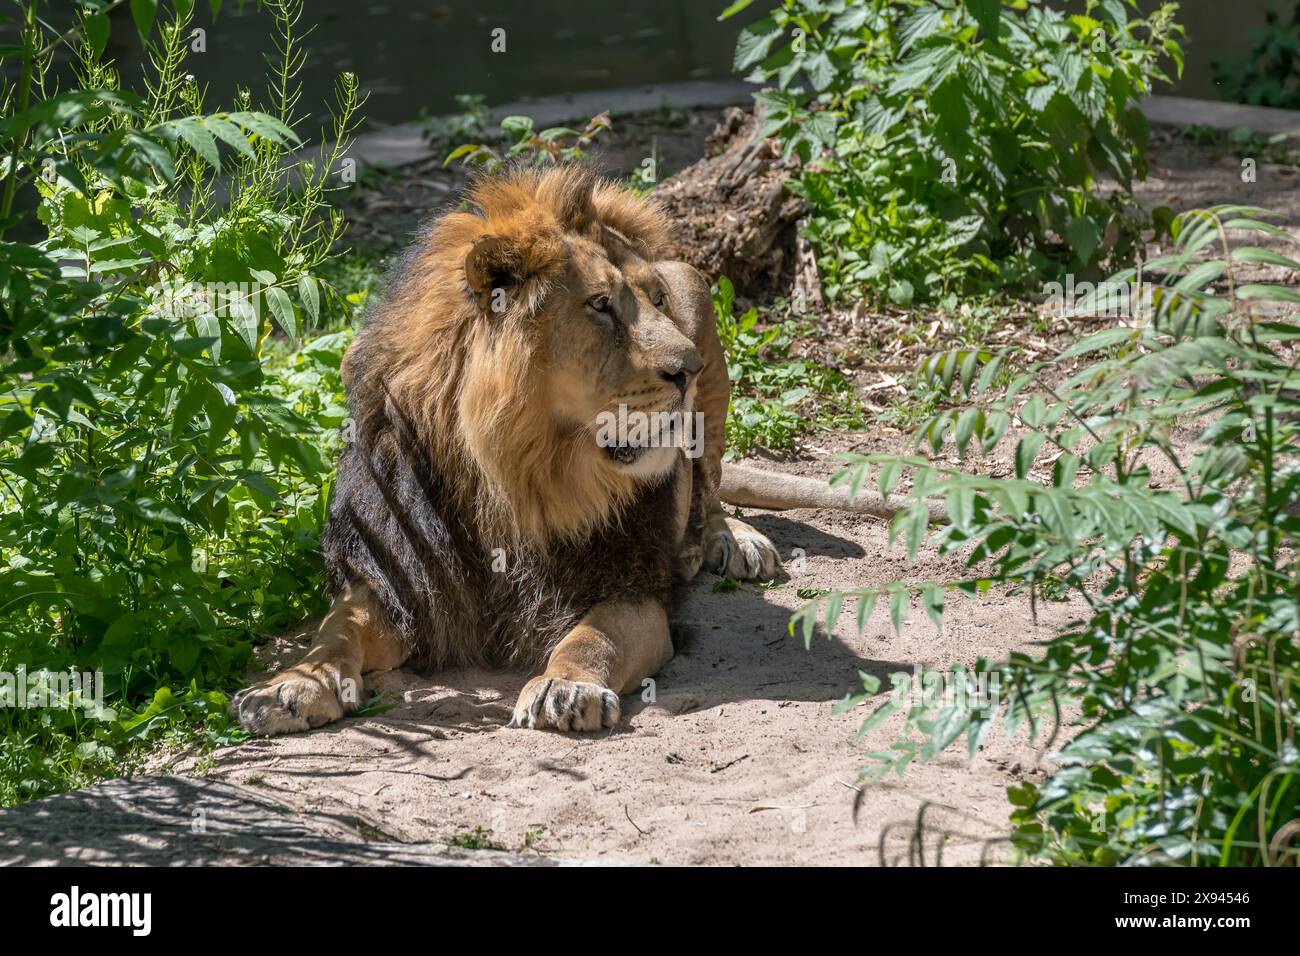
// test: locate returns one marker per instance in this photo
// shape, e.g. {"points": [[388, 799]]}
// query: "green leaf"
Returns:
{"points": [[229, 133], [1084, 235], [735, 8], [917, 523], [1272, 293], [961, 507], [754, 43], [820, 70], [200, 140], [923, 22], [988, 14], [888, 477], [310, 296], [270, 128], [97, 29], [1104, 339], [1026, 453], [898, 608], [284, 313], [833, 602], [866, 604], [932, 600], [143, 13]]}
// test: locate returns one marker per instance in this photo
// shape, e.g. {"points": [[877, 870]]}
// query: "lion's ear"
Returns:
{"points": [[493, 263]]}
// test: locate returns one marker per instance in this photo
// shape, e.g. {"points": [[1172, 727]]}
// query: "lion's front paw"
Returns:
{"points": [[298, 699], [739, 551], [558, 704]]}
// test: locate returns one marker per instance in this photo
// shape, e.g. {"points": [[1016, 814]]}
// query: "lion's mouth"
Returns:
{"points": [[625, 454]]}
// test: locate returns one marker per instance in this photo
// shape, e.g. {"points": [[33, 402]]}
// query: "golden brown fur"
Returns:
{"points": [[510, 328], [472, 389]]}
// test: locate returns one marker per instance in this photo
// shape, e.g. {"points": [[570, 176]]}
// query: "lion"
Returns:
{"points": [[484, 514]]}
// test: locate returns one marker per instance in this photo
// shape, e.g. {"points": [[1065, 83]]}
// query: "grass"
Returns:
{"points": [[775, 398], [476, 839]]}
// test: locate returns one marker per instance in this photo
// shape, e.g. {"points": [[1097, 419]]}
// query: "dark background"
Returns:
{"points": [[413, 55]]}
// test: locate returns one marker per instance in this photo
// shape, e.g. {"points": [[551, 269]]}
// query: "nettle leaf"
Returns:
{"points": [[821, 72], [755, 42], [926, 69], [988, 14], [922, 23]]}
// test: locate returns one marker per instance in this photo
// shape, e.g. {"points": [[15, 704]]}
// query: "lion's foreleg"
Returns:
{"points": [[326, 684], [611, 650]]}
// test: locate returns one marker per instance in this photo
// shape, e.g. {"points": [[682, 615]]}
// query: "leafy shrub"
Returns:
{"points": [[471, 123], [771, 392], [957, 145], [1270, 75], [558, 144], [1180, 682], [164, 456]]}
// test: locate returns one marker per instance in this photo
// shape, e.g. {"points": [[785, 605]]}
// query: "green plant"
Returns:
{"points": [[769, 391], [479, 839], [558, 144], [164, 437], [1270, 74], [1180, 680], [958, 146], [471, 123]]}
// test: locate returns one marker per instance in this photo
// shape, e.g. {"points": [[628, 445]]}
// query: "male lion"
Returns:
{"points": [[478, 516]]}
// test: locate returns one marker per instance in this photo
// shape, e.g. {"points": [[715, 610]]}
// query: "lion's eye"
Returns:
{"points": [[660, 300], [600, 303]]}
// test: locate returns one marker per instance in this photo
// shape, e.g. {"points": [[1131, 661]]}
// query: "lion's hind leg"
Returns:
{"points": [[326, 684]]}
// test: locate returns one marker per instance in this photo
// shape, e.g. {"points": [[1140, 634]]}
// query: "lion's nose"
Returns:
{"points": [[681, 372]]}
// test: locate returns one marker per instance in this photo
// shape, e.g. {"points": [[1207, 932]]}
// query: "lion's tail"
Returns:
{"points": [[752, 487]]}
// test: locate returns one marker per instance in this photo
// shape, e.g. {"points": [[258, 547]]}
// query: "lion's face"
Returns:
{"points": [[617, 364], [542, 352]]}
